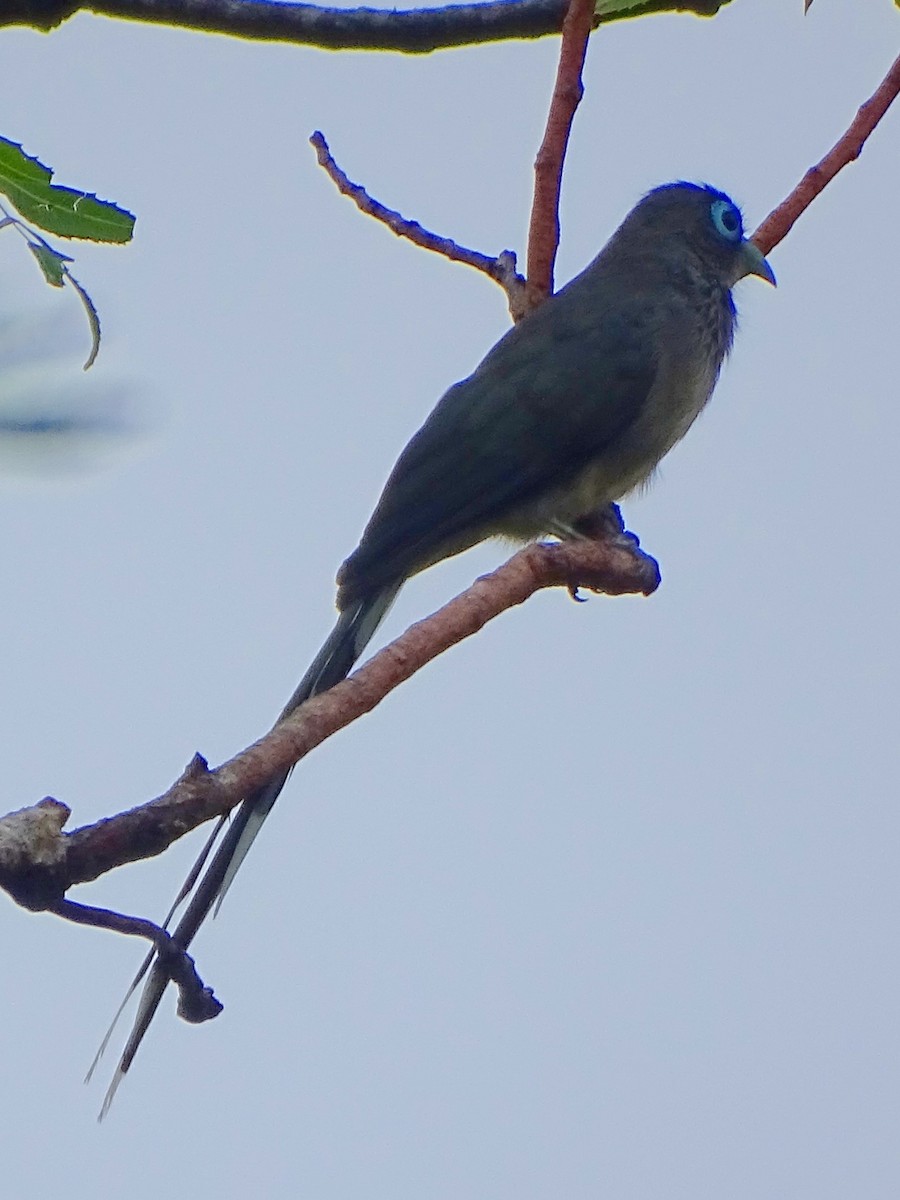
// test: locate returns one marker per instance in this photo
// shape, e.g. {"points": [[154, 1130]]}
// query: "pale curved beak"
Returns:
{"points": [[755, 263]]}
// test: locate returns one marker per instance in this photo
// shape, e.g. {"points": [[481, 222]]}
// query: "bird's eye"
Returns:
{"points": [[726, 219]]}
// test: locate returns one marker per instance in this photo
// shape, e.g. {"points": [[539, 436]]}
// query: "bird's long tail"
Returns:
{"points": [[346, 643]]}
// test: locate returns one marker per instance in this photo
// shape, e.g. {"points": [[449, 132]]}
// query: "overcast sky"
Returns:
{"points": [[605, 901]]}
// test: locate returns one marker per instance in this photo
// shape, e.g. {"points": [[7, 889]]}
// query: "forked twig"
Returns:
{"points": [[543, 232]]}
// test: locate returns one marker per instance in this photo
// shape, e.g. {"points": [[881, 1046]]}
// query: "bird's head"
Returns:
{"points": [[705, 220]]}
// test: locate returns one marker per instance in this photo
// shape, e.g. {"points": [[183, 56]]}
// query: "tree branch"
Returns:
{"points": [[196, 1002], [501, 269], [543, 231], [416, 31], [846, 149], [39, 869]]}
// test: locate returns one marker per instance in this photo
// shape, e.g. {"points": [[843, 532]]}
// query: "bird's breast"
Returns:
{"points": [[682, 386]]}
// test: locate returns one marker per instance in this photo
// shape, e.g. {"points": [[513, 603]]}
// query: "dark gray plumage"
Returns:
{"points": [[572, 409]]}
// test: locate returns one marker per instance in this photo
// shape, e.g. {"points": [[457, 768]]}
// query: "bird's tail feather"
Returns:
{"points": [[354, 630], [355, 627]]}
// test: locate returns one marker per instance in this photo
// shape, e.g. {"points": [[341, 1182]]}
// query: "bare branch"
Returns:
{"points": [[780, 221], [196, 1002], [614, 565], [417, 31], [501, 269], [543, 232]]}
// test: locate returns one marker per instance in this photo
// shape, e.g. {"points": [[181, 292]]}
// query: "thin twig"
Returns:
{"points": [[196, 1002], [501, 269], [848, 148], [543, 231]]}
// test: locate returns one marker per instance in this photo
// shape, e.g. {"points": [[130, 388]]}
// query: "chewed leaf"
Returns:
{"points": [[51, 262], [60, 210]]}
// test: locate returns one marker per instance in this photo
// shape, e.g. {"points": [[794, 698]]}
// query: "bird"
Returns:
{"points": [[570, 411]]}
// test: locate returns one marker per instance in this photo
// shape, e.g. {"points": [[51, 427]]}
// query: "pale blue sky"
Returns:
{"points": [[602, 903]]}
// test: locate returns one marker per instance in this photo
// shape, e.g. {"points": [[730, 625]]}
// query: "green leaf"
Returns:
{"points": [[51, 262], [57, 274], [59, 210]]}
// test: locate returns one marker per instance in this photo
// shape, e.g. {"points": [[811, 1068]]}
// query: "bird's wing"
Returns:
{"points": [[552, 396]]}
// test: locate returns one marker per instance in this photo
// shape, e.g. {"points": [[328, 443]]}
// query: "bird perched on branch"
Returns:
{"points": [[571, 410]]}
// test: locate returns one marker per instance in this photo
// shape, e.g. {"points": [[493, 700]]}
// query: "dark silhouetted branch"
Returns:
{"points": [[416, 31], [196, 1002]]}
